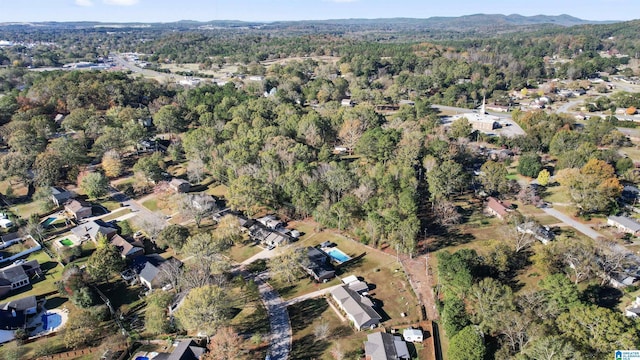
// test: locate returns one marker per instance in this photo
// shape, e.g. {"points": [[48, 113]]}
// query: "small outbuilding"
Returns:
{"points": [[179, 185], [413, 335]]}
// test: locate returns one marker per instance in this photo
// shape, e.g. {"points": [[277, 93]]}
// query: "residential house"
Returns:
{"points": [[358, 308], [633, 311], [79, 209], [151, 275], [91, 229], [631, 193], [497, 208], [541, 233], [179, 185], [13, 314], [319, 266], [271, 222], [266, 236], [60, 196], [624, 224], [621, 280], [384, 346], [347, 102], [127, 249], [187, 349], [16, 276], [413, 335]]}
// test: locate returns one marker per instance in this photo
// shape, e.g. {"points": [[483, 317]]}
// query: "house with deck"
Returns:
{"points": [[319, 265], [16, 276]]}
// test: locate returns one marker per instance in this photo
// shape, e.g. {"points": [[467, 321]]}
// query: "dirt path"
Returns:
{"points": [[421, 282]]}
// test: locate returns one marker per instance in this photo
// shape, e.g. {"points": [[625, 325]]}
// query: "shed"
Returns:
{"points": [[413, 335], [179, 185]]}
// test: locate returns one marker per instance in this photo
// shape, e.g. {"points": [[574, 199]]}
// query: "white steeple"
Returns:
{"points": [[482, 108]]}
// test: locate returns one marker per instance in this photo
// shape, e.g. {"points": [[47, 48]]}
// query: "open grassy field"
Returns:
{"points": [[218, 191]]}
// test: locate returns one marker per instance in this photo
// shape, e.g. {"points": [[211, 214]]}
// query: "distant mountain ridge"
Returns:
{"points": [[466, 23]]}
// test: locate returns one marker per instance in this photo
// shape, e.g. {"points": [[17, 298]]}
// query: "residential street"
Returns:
{"points": [[585, 229], [278, 318]]}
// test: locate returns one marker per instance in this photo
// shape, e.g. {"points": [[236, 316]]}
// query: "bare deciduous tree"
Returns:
{"points": [[196, 206], [321, 331], [195, 170], [446, 213]]}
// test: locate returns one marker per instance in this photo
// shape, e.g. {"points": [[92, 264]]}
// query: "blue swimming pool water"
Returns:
{"points": [[48, 221], [51, 321], [142, 358], [338, 255]]}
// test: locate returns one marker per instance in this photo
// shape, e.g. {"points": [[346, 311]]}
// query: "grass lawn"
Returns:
{"points": [[240, 252], [52, 272], [121, 295], [557, 194], [151, 204], [27, 209], [110, 204], [218, 191], [310, 314]]}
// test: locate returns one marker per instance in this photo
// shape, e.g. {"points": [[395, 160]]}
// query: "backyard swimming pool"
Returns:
{"points": [[48, 221], [338, 255], [51, 321]]}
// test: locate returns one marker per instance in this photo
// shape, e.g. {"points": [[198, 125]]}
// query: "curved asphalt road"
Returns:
{"points": [[278, 318]]}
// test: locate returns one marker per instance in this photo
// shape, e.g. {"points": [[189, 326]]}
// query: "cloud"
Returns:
{"points": [[84, 2], [341, 1], [121, 2]]}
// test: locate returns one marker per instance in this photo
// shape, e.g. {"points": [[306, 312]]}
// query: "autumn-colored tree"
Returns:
{"points": [[594, 187], [224, 345], [543, 177], [112, 164], [631, 110]]}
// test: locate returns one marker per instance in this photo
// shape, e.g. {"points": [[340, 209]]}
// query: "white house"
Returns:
{"points": [[624, 224]]}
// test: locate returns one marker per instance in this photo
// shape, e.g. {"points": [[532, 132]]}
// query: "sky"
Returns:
{"points": [[275, 10]]}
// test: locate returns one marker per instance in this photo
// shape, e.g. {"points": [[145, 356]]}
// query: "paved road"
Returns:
{"points": [[311, 295], [278, 319], [585, 229]]}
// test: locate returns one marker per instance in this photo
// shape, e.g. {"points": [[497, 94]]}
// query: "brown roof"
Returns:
{"points": [[76, 205], [125, 247], [498, 206]]}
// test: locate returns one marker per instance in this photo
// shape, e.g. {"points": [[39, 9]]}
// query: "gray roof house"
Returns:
{"points": [[187, 349], [179, 185], [59, 195], [319, 266], [358, 308], [624, 224], [384, 346], [91, 229], [16, 276], [150, 275]]}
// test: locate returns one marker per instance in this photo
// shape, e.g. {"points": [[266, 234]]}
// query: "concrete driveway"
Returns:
{"points": [[142, 213], [278, 318], [585, 229]]}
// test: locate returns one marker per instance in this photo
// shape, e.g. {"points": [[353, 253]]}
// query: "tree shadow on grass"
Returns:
{"points": [[257, 322], [308, 348], [55, 302], [603, 296], [451, 237], [304, 313]]}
